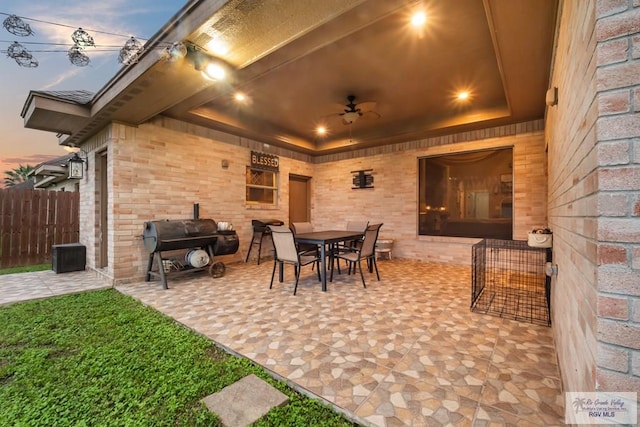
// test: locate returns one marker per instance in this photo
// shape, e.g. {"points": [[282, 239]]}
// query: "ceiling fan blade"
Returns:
{"points": [[338, 107], [370, 115], [366, 106], [331, 116], [350, 112]]}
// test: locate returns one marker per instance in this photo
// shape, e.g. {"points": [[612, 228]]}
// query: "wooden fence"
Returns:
{"points": [[31, 221]]}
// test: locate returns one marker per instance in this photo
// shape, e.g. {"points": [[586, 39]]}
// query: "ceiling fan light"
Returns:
{"points": [[350, 117]]}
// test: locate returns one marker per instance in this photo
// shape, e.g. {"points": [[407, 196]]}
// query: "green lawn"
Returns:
{"points": [[26, 269], [102, 358]]}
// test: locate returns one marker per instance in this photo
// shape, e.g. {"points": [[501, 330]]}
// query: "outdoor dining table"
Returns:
{"points": [[324, 239]]}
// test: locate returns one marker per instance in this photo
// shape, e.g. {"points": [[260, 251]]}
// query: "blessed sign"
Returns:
{"points": [[264, 161]]}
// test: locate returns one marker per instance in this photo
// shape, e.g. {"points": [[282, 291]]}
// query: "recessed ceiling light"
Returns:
{"points": [[419, 19], [321, 130], [462, 96], [240, 97]]}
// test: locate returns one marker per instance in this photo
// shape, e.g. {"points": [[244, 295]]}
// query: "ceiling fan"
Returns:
{"points": [[354, 111]]}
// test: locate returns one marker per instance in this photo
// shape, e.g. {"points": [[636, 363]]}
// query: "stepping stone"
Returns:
{"points": [[245, 401]]}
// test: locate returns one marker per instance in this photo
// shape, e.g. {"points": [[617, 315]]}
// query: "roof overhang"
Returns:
{"points": [[297, 62]]}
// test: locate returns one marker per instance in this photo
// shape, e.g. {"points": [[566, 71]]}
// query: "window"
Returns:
{"points": [[262, 186], [467, 194]]}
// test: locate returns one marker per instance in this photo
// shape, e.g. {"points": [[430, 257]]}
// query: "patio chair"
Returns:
{"points": [[365, 252], [286, 252], [360, 226], [301, 228], [357, 226]]}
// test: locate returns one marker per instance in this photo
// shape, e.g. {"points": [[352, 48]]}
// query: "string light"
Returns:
{"points": [[175, 52], [17, 26], [21, 55], [81, 38], [78, 57], [127, 54], [130, 52]]}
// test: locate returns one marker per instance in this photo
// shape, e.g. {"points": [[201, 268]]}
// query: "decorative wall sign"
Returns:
{"points": [[264, 161], [362, 179]]}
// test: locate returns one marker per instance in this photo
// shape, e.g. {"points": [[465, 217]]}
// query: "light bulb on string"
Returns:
{"points": [[130, 52], [81, 38], [78, 57], [21, 55], [16, 26]]}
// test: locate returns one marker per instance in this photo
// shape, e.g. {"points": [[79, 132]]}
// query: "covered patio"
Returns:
{"points": [[406, 350], [556, 81]]}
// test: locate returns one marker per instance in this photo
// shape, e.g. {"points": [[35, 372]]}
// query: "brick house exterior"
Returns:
{"points": [[577, 171]]}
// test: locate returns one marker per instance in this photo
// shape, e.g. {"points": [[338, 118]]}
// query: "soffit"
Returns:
{"points": [[499, 50]]}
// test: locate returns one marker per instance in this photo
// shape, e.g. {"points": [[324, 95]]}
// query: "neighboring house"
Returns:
{"points": [[24, 185], [160, 139], [54, 175]]}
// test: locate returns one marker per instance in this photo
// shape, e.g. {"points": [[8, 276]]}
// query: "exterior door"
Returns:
{"points": [[299, 199]]}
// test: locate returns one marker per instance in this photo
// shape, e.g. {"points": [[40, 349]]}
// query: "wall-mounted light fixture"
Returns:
{"points": [[551, 269], [210, 67], [551, 97], [77, 165]]}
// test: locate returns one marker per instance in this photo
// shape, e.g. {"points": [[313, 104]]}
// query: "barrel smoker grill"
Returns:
{"points": [[171, 235]]}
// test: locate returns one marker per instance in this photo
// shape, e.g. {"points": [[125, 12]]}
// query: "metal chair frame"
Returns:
{"points": [[286, 252], [355, 255]]}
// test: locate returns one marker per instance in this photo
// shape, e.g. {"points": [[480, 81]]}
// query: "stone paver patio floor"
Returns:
{"points": [[404, 351]]}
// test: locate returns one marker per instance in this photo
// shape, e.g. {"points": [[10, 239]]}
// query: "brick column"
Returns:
{"points": [[617, 33]]}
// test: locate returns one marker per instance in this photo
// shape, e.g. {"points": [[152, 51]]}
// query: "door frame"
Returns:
{"points": [[307, 208]]}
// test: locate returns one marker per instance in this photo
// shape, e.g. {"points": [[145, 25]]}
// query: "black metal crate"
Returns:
{"points": [[509, 280]]}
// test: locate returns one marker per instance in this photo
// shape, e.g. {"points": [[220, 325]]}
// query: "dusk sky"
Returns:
{"points": [[54, 22]]}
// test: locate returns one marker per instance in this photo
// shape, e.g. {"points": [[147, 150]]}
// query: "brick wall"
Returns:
{"points": [[617, 34], [393, 200], [160, 169], [594, 178]]}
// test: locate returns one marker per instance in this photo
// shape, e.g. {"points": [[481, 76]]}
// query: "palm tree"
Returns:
{"points": [[17, 175]]}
